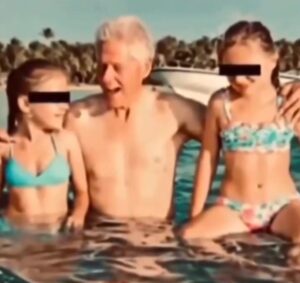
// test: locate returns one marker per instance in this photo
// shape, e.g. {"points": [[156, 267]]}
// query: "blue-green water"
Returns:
{"points": [[111, 251]]}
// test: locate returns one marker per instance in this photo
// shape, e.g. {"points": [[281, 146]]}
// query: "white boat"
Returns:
{"points": [[196, 84]]}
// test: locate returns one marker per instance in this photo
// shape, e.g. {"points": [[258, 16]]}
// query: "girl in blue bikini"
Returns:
{"points": [[37, 167], [258, 192]]}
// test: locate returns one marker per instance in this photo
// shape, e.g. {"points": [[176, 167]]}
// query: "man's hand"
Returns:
{"points": [[5, 137], [290, 109]]}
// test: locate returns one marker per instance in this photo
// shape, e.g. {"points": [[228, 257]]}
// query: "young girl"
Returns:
{"points": [[37, 166], [257, 192]]}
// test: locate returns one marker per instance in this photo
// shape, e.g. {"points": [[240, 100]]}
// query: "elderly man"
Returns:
{"points": [[132, 135]]}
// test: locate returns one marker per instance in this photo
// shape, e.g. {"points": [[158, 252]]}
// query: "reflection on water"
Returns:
{"points": [[147, 251], [115, 251]]}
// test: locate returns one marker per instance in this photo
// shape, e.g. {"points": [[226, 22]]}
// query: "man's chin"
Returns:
{"points": [[117, 104], [116, 101]]}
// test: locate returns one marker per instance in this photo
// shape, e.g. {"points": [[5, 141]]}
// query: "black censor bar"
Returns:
{"points": [[49, 97], [239, 70]]}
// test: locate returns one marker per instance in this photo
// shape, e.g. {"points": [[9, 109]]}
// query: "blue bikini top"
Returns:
{"points": [[57, 172], [247, 137]]}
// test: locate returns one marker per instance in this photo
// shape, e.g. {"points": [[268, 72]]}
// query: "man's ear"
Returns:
{"points": [[23, 104], [147, 68]]}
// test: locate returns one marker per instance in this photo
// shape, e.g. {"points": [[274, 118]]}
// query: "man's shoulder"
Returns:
{"points": [[178, 102], [88, 106], [185, 110]]}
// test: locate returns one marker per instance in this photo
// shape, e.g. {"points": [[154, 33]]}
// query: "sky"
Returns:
{"points": [[77, 20]]}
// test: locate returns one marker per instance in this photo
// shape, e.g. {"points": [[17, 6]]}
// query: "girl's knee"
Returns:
{"points": [[187, 232], [292, 235], [194, 230]]}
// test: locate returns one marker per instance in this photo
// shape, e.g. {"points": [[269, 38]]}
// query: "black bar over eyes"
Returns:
{"points": [[239, 70], [49, 97]]}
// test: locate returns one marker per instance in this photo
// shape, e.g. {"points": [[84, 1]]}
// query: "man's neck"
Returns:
{"points": [[122, 113], [141, 101]]}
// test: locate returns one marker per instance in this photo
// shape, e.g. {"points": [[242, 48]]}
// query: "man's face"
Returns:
{"points": [[120, 76]]}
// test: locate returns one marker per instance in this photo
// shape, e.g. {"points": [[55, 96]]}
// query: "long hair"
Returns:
{"points": [[21, 80], [244, 30]]}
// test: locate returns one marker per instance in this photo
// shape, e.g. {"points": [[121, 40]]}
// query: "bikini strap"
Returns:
{"points": [[227, 105], [54, 143], [10, 150], [280, 101]]}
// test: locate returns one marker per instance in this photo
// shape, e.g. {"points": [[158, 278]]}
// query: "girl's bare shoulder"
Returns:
{"points": [[67, 138], [216, 101]]}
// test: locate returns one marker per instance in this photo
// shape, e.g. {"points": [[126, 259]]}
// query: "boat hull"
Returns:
{"points": [[196, 84]]}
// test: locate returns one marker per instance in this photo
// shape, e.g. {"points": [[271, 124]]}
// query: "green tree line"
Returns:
{"points": [[80, 61]]}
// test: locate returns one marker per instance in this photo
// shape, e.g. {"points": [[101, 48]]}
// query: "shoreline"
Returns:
{"points": [[85, 87], [79, 87]]}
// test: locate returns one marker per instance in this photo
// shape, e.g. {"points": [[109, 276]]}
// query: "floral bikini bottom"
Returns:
{"points": [[257, 217]]}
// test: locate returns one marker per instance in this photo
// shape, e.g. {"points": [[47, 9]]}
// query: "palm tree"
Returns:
{"points": [[15, 42], [79, 59], [1, 46], [5, 65], [48, 33], [167, 46]]}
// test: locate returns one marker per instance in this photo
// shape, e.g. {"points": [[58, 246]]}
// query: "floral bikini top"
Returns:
{"points": [[247, 137]]}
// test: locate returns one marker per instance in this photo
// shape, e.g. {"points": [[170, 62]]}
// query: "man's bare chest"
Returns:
{"points": [[146, 145]]}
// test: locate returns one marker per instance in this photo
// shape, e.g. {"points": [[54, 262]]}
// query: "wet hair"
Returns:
{"points": [[244, 30], [21, 80]]}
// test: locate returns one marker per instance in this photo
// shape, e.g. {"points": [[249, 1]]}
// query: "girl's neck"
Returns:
{"points": [[260, 94], [30, 131]]}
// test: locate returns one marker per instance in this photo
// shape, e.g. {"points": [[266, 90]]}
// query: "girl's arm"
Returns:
{"points": [[297, 130], [79, 181], [4, 153], [208, 157], [2, 179]]}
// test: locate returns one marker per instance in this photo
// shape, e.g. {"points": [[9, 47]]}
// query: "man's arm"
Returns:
{"points": [[5, 138], [290, 109], [191, 117]]}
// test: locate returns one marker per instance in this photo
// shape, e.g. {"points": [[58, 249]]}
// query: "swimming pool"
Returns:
{"points": [[111, 251]]}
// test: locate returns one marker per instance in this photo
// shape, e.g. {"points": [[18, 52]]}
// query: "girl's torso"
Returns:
{"points": [[37, 180], [256, 152]]}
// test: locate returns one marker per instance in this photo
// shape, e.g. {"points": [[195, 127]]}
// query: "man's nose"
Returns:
{"points": [[107, 75]]}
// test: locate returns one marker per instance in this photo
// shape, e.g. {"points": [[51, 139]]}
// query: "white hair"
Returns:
{"points": [[133, 32]]}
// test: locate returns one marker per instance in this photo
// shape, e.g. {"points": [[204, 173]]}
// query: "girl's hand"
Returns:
{"points": [[74, 223]]}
